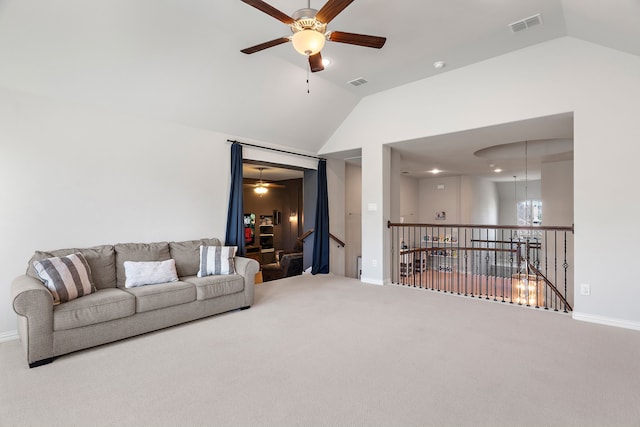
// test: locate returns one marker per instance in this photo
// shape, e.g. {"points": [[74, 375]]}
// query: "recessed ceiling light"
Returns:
{"points": [[435, 171], [439, 64], [497, 170], [326, 62]]}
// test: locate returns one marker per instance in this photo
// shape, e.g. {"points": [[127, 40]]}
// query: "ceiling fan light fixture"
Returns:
{"points": [[308, 42], [260, 189], [309, 30]]}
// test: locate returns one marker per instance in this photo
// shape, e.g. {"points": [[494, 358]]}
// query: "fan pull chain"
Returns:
{"points": [[308, 90]]}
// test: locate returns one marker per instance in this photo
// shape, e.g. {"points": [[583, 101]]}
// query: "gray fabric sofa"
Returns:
{"points": [[115, 312]]}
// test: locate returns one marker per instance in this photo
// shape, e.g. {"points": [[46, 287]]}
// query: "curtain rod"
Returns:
{"points": [[275, 149]]}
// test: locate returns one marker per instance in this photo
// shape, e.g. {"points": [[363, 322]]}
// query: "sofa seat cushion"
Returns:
{"points": [[215, 286], [153, 297], [101, 306]]}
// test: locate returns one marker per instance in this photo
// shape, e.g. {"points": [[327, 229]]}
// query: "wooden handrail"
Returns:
{"points": [[305, 235], [551, 285], [338, 241], [454, 248], [309, 232], [493, 226]]}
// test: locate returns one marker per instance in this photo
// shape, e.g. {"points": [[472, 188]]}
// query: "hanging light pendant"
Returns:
{"points": [[261, 188], [526, 288]]}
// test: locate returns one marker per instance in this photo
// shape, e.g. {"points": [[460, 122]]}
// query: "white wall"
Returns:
{"points": [[336, 186], [557, 209], [434, 200], [74, 177], [465, 199], [509, 193], [556, 193], [478, 201], [353, 213], [409, 192], [375, 213], [600, 86]]}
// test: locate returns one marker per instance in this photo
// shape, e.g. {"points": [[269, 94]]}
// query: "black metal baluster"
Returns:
{"points": [[526, 288], [466, 264], [566, 266], [502, 291], [497, 262], [554, 299], [511, 273], [472, 266], [458, 276], [449, 260], [441, 277], [393, 255], [546, 268]]}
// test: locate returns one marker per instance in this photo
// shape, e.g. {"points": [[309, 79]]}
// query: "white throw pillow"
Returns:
{"points": [[217, 260], [67, 278], [140, 273]]}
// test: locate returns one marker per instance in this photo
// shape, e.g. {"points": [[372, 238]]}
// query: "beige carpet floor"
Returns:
{"points": [[329, 351]]}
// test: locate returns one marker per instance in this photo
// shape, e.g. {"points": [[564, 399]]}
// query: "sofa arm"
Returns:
{"points": [[33, 303], [247, 268]]}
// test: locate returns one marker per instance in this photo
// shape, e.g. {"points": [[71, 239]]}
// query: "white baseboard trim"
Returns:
{"points": [[371, 281], [609, 321], [8, 336]]}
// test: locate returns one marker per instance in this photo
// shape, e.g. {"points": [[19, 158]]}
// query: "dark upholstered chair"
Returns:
{"points": [[288, 265]]}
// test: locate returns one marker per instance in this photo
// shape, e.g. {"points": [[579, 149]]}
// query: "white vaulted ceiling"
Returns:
{"points": [[180, 60]]}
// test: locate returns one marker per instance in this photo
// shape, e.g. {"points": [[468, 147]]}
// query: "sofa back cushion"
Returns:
{"points": [[187, 255], [101, 260], [138, 252]]}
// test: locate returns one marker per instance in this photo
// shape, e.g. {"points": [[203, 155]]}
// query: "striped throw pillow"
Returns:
{"points": [[217, 260], [67, 278]]}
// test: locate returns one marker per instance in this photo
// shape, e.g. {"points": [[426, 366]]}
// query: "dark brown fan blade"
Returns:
{"points": [[331, 9], [315, 62], [270, 10], [357, 39], [265, 45]]}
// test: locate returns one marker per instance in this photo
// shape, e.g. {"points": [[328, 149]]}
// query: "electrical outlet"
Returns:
{"points": [[585, 289], [374, 263]]}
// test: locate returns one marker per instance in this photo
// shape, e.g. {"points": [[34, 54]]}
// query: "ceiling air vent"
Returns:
{"points": [[358, 82], [525, 23]]}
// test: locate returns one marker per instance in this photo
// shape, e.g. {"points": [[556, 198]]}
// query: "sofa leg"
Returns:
{"points": [[41, 362]]}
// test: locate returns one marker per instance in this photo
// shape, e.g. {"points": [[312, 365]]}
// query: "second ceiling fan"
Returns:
{"points": [[309, 28]]}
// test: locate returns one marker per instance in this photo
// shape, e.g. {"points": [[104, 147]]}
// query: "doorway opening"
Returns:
{"points": [[274, 216]]}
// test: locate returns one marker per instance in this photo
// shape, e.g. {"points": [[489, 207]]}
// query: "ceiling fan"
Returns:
{"points": [[262, 187], [309, 28]]}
